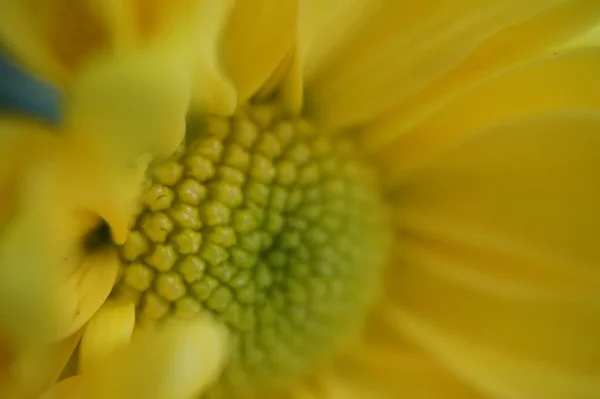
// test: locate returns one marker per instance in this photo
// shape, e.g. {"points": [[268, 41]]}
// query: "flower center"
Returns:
{"points": [[271, 225]]}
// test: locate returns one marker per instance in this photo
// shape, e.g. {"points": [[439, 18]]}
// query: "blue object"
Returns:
{"points": [[22, 93]]}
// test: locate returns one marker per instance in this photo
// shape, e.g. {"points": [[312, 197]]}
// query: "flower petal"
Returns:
{"points": [[49, 207], [30, 250], [323, 25], [52, 37], [588, 38], [567, 81], [258, 36], [131, 105], [110, 328], [87, 188], [85, 291], [135, 102], [543, 37], [292, 84], [177, 362], [499, 373], [70, 388], [517, 204], [34, 369], [383, 371], [213, 91], [415, 44]]}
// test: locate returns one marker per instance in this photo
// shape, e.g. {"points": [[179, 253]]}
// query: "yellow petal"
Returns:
{"points": [[110, 192], [177, 362], [292, 84], [186, 30], [324, 25], [544, 36], [63, 356], [258, 36], [401, 49], [83, 294], [30, 250], [51, 37], [500, 278], [32, 370], [131, 105], [588, 38], [387, 365], [499, 373], [522, 195], [567, 81], [70, 388], [136, 102], [25, 41], [49, 212], [286, 82], [110, 328], [87, 187], [122, 21], [389, 372], [213, 91]]}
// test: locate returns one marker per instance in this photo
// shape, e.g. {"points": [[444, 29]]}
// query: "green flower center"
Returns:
{"points": [[271, 225]]}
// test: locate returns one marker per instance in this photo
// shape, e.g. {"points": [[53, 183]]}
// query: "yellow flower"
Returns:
{"points": [[377, 199]]}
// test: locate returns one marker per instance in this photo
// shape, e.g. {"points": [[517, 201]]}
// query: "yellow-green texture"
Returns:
{"points": [[270, 225]]}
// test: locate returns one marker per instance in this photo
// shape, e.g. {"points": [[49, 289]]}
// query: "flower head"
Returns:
{"points": [[357, 199]]}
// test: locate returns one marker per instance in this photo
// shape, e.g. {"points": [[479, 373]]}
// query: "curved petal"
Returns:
{"points": [[323, 25], [292, 84], [543, 37], [212, 92], [86, 290], [32, 370], [177, 362], [562, 82], [48, 208], [110, 328], [258, 36], [588, 38], [135, 102], [194, 28], [28, 278], [401, 49], [500, 275], [123, 112], [87, 188], [500, 373], [383, 371], [131, 105], [52, 37], [70, 388]]}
